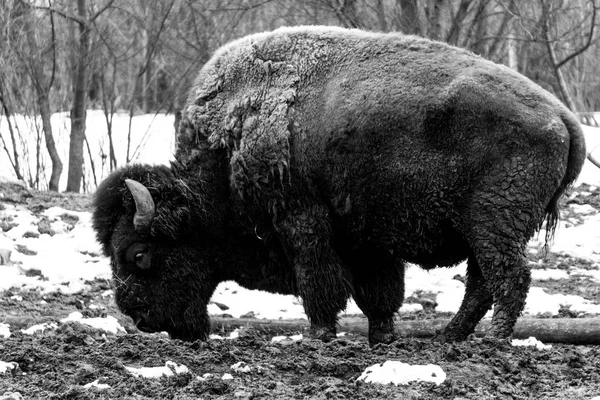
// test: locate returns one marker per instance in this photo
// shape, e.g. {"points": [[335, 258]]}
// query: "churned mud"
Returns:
{"points": [[60, 362], [71, 360]]}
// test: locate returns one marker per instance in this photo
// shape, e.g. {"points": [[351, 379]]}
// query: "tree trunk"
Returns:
{"points": [[78, 111], [15, 159], [579, 331], [42, 88], [57, 166], [145, 79], [435, 13], [562, 85], [509, 13], [409, 18], [458, 22], [346, 12], [380, 9], [108, 105]]}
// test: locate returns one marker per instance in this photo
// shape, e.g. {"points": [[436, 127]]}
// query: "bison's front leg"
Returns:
{"points": [[378, 291], [324, 283]]}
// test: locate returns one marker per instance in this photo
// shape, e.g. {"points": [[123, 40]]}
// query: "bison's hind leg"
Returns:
{"points": [[379, 292], [476, 303], [500, 219]]}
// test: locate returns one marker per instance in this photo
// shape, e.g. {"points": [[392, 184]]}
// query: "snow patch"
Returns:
{"points": [[108, 324], [7, 366], [583, 208], [232, 335], [549, 274], [591, 273], [169, 369], [241, 367], [400, 373], [39, 328], [262, 304], [540, 302], [531, 342], [96, 385], [293, 338], [4, 330]]}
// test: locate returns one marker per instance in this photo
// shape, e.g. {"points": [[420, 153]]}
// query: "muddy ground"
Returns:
{"points": [[59, 363]]}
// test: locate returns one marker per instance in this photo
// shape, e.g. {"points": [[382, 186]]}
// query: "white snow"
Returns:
{"points": [[531, 342], [590, 173], [39, 328], [242, 301], [241, 367], [152, 141], [293, 338], [539, 302], [400, 373], [65, 260], [549, 274], [7, 366], [205, 376], [232, 335], [581, 241], [593, 274], [97, 385], [4, 330], [108, 324], [170, 368]]}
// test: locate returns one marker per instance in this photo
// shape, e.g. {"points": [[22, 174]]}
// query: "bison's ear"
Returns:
{"points": [[144, 205]]}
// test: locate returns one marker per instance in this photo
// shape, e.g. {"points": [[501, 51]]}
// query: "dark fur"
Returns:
{"points": [[317, 161]]}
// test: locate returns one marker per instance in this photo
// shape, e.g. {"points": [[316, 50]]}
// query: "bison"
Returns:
{"points": [[317, 161]]}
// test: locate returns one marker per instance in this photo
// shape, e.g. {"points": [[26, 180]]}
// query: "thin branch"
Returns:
{"points": [[589, 41], [70, 16], [100, 11], [53, 48], [155, 41], [62, 13], [246, 8], [593, 160]]}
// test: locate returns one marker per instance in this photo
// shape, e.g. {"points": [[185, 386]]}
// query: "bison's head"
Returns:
{"points": [[162, 241]]}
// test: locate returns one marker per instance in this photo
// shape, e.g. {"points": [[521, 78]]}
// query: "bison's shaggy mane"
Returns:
{"points": [[175, 216]]}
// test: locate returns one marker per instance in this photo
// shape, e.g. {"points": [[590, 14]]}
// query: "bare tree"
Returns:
{"points": [[14, 157], [34, 58], [84, 21]]}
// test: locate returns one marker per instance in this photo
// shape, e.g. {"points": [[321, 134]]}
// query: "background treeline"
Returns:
{"points": [[141, 56]]}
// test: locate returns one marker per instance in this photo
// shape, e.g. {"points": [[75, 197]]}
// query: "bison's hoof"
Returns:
{"points": [[450, 337], [383, 337], [497, 342], [323, 334]]}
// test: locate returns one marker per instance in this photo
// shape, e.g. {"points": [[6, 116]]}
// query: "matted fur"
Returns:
{"points": [[317, 161]]}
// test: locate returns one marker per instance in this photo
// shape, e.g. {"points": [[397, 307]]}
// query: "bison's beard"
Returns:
{"points": [[182, 321], [193, 326]]}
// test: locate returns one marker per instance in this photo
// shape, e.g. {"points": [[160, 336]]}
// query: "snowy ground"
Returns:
{"points": [[66, 255]]}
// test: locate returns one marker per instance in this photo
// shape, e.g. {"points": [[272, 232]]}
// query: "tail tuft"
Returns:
{"points": [[577, 154]]}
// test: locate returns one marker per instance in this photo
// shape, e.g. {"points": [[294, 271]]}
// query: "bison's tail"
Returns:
{"points": [[577, 154]]}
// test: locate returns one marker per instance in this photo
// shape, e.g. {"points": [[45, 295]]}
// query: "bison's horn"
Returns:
{"points": [[144, 205]]}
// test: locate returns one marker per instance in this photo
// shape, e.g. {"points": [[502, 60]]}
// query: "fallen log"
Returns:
{"points": [[578, 331]]}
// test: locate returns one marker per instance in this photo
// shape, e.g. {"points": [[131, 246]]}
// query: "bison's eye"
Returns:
{"points": [[141, 260], [138, 255]]}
